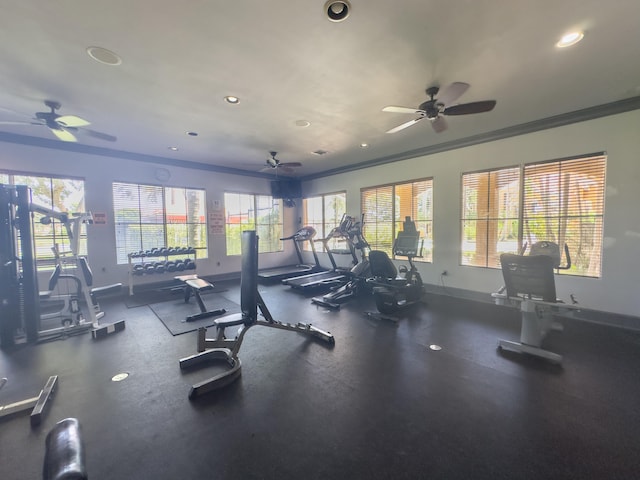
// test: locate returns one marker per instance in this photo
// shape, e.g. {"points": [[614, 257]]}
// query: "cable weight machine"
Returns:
{"points": [[19, 295], [21, 301]]}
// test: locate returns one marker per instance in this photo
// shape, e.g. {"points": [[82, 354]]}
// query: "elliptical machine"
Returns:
{"points": [[393, 290], [355, 279]]}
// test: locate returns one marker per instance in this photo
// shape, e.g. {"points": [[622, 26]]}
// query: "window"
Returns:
{"points": [[490, 216], [324, 213], [564, 203], [53, 193], [385, 208], [261, 213], [150, 216], [561, 201]]}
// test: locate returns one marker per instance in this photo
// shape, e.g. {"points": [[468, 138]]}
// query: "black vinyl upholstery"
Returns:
{"points": [[381, 265], [249, 277]]}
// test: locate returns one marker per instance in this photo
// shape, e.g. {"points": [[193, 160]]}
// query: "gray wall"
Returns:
{"points": [[617, 291], [99, 172]]}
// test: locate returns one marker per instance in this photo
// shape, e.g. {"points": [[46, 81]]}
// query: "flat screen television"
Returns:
{"points": [[286, 189]]}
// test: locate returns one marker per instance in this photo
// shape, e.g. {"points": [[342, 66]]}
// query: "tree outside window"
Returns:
{"points": [[261, 213], [561, 201]]}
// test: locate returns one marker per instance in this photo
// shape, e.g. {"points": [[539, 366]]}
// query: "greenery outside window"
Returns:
{"points": [[58, 194], [385, 208], [261, 213], [151, 216], [561, 201], [490, 216], [323, 213]]}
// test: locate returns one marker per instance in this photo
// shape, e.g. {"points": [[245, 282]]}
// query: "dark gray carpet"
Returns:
{"points": [[379, 405], [174, 312]]}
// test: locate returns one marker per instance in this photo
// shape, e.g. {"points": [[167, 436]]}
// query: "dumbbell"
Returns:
{"points": [[170, 266], [189, 264], [180, 266], [138, 269], [149, 268]]}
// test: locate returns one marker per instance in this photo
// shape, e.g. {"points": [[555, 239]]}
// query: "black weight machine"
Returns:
{"points": [[530, 285], [305, 234], [20, 297], [393, 290], [223, 348]]}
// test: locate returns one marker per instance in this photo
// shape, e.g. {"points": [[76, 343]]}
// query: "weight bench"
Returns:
{"points": [[530, 283], [223, 348], [193, 286]]}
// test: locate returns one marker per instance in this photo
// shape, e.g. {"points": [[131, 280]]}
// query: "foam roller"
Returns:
{"points": [[64, 457]]}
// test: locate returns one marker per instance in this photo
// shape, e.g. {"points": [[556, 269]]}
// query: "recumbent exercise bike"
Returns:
{"points": [[393, 290]]}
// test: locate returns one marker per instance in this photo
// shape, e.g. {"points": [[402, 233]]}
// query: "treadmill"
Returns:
{"points": [[305, 234], [335, 276]]}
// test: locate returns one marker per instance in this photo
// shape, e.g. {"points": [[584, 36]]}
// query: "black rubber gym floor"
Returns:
{"points": [[380, 404]]}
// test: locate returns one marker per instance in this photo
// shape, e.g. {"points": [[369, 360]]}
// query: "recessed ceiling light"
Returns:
{"points": [[192, 134], [569, 39], [337, 10], [302, 123], [103, 55], [364, 145], [173, 149], [231, 99], [120, 377]]}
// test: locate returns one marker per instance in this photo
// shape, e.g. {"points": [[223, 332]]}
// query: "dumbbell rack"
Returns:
{"points": [[139, 269]]}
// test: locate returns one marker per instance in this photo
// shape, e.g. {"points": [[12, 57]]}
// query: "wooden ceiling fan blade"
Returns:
{"points": [[100, 135], [64, 135], [72, 121], [290, 164], [469, 108], [404, 125], [439, 124], [394, 109], [452, 92]]}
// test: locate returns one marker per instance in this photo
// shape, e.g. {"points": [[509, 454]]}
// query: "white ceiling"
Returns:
{"points": [[287, 62]]}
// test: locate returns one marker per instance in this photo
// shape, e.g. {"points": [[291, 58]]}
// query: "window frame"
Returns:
{"points": [[487, 220], [596, 162], [46, 237], [269, 243], [393, 220], [163, 222], [325, 225]]}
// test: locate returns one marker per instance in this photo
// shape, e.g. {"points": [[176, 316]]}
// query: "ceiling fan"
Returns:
{"points": [[62, 126], [272, 163], [434, 108]]}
